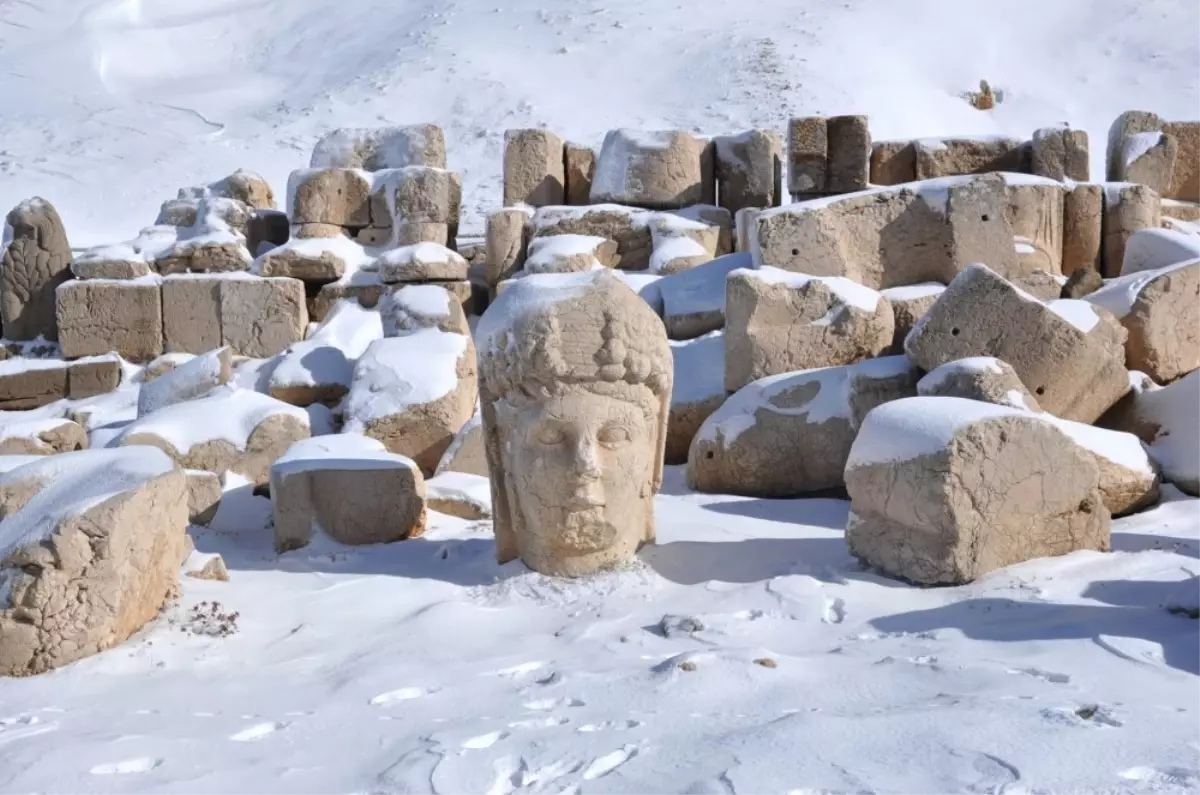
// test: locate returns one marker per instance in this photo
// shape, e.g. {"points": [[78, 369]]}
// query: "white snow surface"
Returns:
{"points": [[848, 291], [974, 364], [339, 451], [189, 380], [1137, 145], [912, 427], [699, 368], [1176, 446], [702, 288], [1078, 313], [529, 295], [354, 256], [328, 355], [913, 291], [1119, 295], [396, 373], [544, 252], [1149, 249], [226, 413], [474, 490], [29, 429], [667, 249]]}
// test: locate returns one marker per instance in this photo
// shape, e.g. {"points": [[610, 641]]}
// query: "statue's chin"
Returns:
{"points": [[585, 532]]}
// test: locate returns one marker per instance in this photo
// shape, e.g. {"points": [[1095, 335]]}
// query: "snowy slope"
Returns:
{"points": [[109, 106]]}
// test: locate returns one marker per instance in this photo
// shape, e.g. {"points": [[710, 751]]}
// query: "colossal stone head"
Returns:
{"points": [[575, 388]]}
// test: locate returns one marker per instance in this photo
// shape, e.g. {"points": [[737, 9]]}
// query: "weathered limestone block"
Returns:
{"points": [[95, 317], [1083, 209], [628, 227], [31, 383], [533, 168], [410, 233], [748, 170], [320, 368], [1127, 209], [580, 167], [946, 157], [892, 236], [1036, 214], [413, 392], [693, 302], [191, 313], [313, 260], [417, 195], [1060, 153], [1185, 178], [335, 196], [466, 453], [1164, 419], [849, 143], [350, 488], [1127, 125], [944, 490], [41, 437], [506, 245], [790, 434], [229, 430], [1149, 159], [375, 149], [242, 186], [110, 262], [412, 307], [366, 293], [1069, 355], [93, 376], [893, 162], [699, 367], [309, 231], [1161, 311], [204, 496], [984, 378], [1151, 249], [808, 154], [188, 381], [575, 385], [1040, 284], [261, 317], [424, 262], [201, 254], [1082, 283], [705, 215], [659, 170], [93, 544], [779, 322], [570, 254], [909, 304], [35, 263]]}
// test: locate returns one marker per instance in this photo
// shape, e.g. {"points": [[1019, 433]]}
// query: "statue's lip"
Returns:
{"points": [[581, 502]]}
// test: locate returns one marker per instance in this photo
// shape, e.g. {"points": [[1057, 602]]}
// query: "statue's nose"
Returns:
{"points": [[587, 460]]}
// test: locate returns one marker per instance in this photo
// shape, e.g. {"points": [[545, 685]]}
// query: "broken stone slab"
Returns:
{"points": [[946, 157], [348, 487], [1071, 356], [533, 168], [778, 322], [909, 304], [654, 169], [693, 301], [944, 490]]}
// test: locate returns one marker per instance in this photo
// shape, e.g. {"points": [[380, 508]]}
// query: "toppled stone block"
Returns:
{"points": [[95, 317], [412, 307], [244, 186], [628, 227], [790, 434], [749, 170], [1082, 283], [41, 437], [1127, 209], [110, 262], [909, 304], [944, 490], [417, 195], [35, 263], [849, 144], [1185, 177], [1036, 215], [580, 167], [808, 154], [348, 487], [946, 157], [984, 378], [334, 196], [261, 317], [533, 168], [779, 322], [1127, 125], [893, 162], [425, 262], [91, 549], [93, 376], [413, 393], [376, 149], [317, 260], [1071, 356], [31, 383], [659, 169], [1060, 153], [460, 494]]}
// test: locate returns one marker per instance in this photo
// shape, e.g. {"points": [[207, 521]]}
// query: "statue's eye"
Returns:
{"points": [[551, 435], [613, 435]]}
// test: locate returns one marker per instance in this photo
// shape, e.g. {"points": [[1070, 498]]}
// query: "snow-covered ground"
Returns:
{"points": [[422, 666], [110, 106]]}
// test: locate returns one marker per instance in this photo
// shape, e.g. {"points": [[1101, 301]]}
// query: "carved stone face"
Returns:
{"points": [[583, 466]]}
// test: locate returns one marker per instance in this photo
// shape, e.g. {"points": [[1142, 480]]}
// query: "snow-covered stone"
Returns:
{"points": [[188, 381], [1167, 420], [424, 262], [41, 437], [570, 254], [533, 168], [416, 306], [656, 169], [465, 453], [909, 304], [946, 157], [459, 494], [748, 169], [1127, 209], [336, 196], [378, 148], [698, 390], [1151, 249], [694, 300], [983, 378], [320, 368], [98, 316]]}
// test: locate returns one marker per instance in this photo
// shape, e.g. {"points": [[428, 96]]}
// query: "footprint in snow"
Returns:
{"points": [[400, 694], [547, 704], [1164, 778], [1045, 676], [141, 764], [257, 732], [606, 764], [520, 670], [539, 723], [610, 725]]}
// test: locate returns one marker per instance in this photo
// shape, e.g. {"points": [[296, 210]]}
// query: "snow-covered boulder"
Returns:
{"points": [[413, 393], [780, 322], [693, 301], [188, 381], [41, 437], [658, 169], [320, 368], [90, 548], [1161, 311], [229, 429], [909, 304], [748, 169], [466, 453], [459, 494], [335, 196], [697, 391], [412, 307], [348, 487], [377, 148], [628, 227], [118, 261], [1068, 353], [243, 185], [314, 259], [1149, 159], [1167, 420], [204, 495], [790, 434], [533, 168], [680, 243], [1151, 249], [424, 262], [983, 378], [944, 490], [213, 243], [570, 254]]}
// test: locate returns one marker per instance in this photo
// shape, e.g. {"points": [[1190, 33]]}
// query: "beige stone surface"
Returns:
{"points": [[305, 264], [204, 496], [34, 264], [1185, 177], [580, 166], [946, 157], [1162, 418], [249, 188], [1036, 214], [1083, 209], [98, 267], [658, 169], [1082, 283], [419, 194], [41, 437], [336, 196], [533, 168], [1129, 123], [308, 231], [628, 227], [808, 154], [893, 162], [1076, 371], [983, 378], [90, 579], [506, 245], [986, 488], [909, 304], [91, 378], [411, 307], [849, 144], [466, 452], [1040, 284], [410, 233], [778, 322], [98, 317], [790, 434], [1060, 153], [188, 256], [575, 397], [1155, 166], [1127, 208], [261, 317], [23, 388], [191, 313], [746, 169]]}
